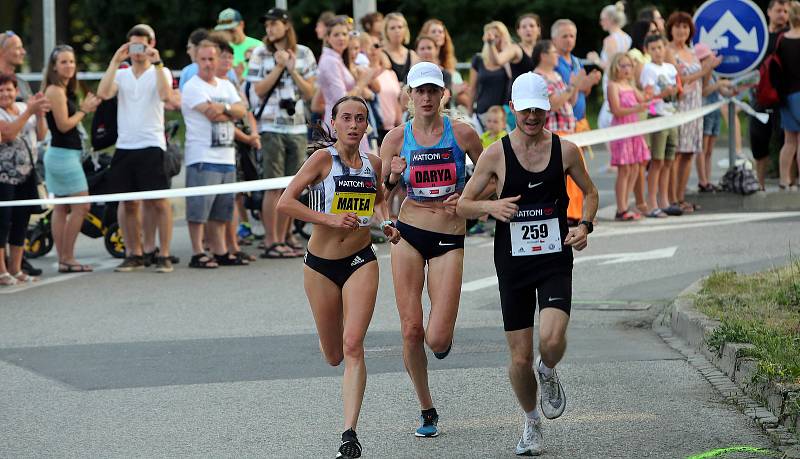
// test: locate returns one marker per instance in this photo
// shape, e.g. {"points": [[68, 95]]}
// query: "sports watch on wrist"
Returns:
{"points": [[227, 109], [589, 225]]}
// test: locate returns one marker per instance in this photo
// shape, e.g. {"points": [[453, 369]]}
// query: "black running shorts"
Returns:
{"points": [[518, 299]]}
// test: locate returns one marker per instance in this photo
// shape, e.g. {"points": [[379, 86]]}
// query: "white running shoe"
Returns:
{"points": [[551, 393], [530, 444]]}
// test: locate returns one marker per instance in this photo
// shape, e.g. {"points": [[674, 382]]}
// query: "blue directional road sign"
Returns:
{"points": [[736, 30]]}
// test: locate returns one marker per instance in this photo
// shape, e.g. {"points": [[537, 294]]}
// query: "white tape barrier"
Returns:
{"points": [[597, 136], [582, 139]]}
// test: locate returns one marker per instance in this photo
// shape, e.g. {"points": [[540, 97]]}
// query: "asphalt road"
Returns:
{"points": [[225, 363]]}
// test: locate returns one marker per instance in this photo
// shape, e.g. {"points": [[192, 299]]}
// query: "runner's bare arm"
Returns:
{"points": [[468, 140], [576, 168], [486, 169], [390, 152], [381, 209], [312, 171]]}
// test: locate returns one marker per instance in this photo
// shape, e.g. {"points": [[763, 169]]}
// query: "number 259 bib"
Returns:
{"points": [[535, 231], [432, 173], [354, 194]]}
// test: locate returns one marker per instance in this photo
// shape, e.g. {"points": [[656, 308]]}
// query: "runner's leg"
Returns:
{"points": [[444, 289], [408, 274], [552, 335], [520, 370], [358, 296], [325, 299]]}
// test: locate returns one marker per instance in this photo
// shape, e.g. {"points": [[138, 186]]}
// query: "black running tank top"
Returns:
{"points": [[534, 239]]}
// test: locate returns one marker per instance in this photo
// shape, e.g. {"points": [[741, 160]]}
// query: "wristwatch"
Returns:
{"points": [[589, 225], [227, 109], [386, 223]]}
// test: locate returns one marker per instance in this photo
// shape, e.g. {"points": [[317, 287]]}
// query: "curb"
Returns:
{"points": [[687, 330], [770, 201]]}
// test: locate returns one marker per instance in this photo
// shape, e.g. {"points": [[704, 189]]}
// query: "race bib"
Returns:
{"points": [[354, 194], [535, 231], [432, 173], [222, 134]]}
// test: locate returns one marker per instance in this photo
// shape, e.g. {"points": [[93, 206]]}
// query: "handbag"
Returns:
{"points": [[38, 208]]}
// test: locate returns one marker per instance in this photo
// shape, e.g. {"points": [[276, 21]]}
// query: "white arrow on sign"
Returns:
{"points": [[612, 258], [716, 39]]}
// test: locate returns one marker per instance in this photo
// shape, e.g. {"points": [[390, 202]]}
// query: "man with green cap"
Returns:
{"points": [[230, 20]]}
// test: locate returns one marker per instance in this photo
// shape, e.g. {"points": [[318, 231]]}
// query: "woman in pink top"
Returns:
{"points": [[335, 80], [385, 85]]}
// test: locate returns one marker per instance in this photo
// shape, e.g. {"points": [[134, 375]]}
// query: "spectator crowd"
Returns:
{"points": [[249, 104]]}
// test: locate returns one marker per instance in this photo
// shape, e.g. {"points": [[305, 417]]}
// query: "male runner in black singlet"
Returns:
{"points": [[533, 245]]}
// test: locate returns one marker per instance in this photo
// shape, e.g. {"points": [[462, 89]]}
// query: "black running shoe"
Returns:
{"points": [[350, 448]]}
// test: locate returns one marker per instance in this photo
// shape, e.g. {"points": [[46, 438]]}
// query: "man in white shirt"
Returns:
{"points": [[138, 163], [209, 105]]}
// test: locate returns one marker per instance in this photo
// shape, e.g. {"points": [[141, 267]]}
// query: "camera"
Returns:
{"points": [[288, 105], [136, 48]]}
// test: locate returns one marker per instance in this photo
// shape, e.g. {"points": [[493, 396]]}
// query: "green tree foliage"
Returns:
{"points": [[99, 26]]}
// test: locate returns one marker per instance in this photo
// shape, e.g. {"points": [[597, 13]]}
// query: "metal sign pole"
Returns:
{"points": [[731, 135], [281, 4], [48, 29]]}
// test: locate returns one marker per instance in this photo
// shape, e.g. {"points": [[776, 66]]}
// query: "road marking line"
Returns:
{"points": [[651, 226], [613, 258]]}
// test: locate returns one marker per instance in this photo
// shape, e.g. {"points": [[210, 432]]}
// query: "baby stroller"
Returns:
{"points": [[101, 221]]}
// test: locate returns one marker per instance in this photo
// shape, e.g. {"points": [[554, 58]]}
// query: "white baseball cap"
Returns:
{"points": [[425, 73], [530, 91]]}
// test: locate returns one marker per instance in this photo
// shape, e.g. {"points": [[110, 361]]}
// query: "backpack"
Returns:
{"points": [[740, 180], [104, 125], [768, 91]]}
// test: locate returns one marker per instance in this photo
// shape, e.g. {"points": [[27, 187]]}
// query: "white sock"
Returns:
{"points": [[533, 415], [545, 370]]}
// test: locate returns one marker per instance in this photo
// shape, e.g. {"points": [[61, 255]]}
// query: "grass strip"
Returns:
{"points": [[762, 309]]}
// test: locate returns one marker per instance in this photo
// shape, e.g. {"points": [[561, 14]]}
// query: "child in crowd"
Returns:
{"points": [[662, 77], [495, 125], [712, 89], [628, 154]]}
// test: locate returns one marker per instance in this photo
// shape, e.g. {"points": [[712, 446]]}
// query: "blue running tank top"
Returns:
{"points": [[433, 173]]}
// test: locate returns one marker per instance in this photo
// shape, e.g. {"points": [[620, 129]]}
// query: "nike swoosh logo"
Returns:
{"points": [[534, 185], [554, 299], [445, 245]]}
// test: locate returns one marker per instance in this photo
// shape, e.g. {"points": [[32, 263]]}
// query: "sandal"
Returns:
{"points": [[688, 207], [673, 210], [7, 280], [24, 278], [294, 245], [230, 259], [245, 256], [272, 251], [202, 261], [76, 268], [626, 216], [657, 213]]}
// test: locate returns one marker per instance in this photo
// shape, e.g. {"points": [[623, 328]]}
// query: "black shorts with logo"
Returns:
{"points": [[518, 299], [137, 170], [338, 271]]}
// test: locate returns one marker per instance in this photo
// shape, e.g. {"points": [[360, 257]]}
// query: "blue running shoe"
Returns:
{"points": [[428, 426]]}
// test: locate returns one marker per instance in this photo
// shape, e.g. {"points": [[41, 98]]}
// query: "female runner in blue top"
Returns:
{"points": [[428, 153]]}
